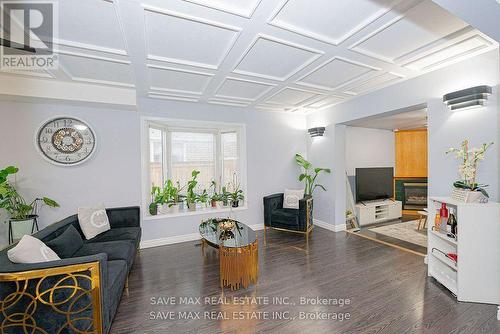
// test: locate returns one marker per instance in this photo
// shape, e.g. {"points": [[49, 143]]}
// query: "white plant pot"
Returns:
{"points": [[468, 196], [174, 208], [163, 209], [191, 206], [21, 228]]}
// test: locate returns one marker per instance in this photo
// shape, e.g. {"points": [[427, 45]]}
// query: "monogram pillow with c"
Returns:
{"points": [[291, 198], [93, 221], [31, 250]]}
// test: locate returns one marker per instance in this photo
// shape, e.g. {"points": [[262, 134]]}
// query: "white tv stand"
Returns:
{"points": [[378, 211]]}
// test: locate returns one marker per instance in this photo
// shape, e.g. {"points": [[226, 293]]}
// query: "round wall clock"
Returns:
{"points": [[66, 141]]}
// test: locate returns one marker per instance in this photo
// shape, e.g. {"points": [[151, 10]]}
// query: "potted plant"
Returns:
{"points": [[203, 198], [216, 199], [468, 189], [236, 196], [16, 206], [176, 199], [191, 196], [224, 196], [155, 200], [309, 175], [171, 197]]}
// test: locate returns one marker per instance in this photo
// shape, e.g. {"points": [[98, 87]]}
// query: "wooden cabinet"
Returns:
{"points": [[411, 153]]}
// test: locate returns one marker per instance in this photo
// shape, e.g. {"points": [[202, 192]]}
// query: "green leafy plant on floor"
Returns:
{"points": [[309, 175], [12, 202]]}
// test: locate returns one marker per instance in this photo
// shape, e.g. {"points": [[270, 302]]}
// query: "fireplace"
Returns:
{"points": [[414, 195]]}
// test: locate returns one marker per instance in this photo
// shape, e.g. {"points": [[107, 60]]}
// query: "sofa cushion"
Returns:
{"points": [[119, 233], [117, 275], [116, 250], [291, 198], [66, 244], [285, 217], [93, 221], [31, 250]]}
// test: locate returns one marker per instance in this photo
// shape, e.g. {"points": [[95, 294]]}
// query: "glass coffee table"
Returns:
{"points": [[238, 251]]}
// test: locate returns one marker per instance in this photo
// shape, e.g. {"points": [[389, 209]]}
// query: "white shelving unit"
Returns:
{"points": [[475, 277], [378, 211]]}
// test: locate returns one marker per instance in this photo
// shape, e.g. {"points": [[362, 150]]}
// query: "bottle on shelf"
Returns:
{"points": [[452, 221], [437, 221], [443, 214]]}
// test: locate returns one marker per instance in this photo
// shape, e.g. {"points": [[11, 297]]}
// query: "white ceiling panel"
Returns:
{"points": [[228, 102], [379, 81], [243, 8], [421, 25], [97, 70], [185, 39], [178, 81], [242, 89], [328, 101], [449, 54], [276, 59], [173, 97], [331, 21], [291, 97], [274, 55], [334, 73], [91, 22]]}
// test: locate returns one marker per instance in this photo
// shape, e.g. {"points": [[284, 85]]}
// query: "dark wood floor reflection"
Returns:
{"points": [[389, 291]]}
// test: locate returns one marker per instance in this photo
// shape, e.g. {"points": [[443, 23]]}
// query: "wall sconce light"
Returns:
{"points": [[467, 98], [316, 132]]}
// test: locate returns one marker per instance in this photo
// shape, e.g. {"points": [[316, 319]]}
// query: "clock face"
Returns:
{"points": [[66, 141]]}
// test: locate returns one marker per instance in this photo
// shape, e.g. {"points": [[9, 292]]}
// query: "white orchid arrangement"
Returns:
{"points": [[470, 159]]}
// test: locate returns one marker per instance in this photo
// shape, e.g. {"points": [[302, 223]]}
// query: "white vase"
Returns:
{"points": [[468, 196]]}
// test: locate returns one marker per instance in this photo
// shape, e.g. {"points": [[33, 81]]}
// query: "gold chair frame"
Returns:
{"points": [[25, 322]]}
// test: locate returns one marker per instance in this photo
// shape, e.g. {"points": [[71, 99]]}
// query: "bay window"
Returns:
{"points": [[177, 148]]}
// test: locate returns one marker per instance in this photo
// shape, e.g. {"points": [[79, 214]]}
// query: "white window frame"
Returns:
{"points": [[167, 126]]}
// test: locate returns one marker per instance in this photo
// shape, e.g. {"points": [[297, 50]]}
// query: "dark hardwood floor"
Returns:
{"points": [[388, 289]]}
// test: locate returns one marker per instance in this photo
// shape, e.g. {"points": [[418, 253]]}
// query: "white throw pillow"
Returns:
{"points": [[93, 221], [31, 250], [291, 198]]}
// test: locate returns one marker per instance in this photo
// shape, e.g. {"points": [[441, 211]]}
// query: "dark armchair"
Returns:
{"points": [[292, 220]]}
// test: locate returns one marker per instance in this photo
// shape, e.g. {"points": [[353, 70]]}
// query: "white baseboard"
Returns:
{"points": [[182, 238], [169, 240], [330, 227]]}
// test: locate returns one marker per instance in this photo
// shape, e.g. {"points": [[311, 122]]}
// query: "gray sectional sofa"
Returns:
{"points": [[80, 292]]}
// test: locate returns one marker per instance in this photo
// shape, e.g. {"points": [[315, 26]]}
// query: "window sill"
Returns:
{"points": [[197, 212]]}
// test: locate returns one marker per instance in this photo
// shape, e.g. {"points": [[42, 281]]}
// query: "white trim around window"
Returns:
{"points": [[167, 126]]}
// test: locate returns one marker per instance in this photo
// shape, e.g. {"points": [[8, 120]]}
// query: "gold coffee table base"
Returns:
{"points": [[239, 266]]}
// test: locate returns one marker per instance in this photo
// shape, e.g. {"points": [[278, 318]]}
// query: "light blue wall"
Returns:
{"points": [[113, 175]]}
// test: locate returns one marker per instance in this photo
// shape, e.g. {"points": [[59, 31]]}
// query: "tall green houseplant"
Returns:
{"points": [[12, 202], [309, 175]]}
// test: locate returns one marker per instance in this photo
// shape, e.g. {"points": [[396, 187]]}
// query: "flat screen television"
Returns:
{"points": [[374, 183]]}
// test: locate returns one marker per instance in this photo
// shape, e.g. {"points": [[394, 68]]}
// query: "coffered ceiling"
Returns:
{"points": [[273, 55]]}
